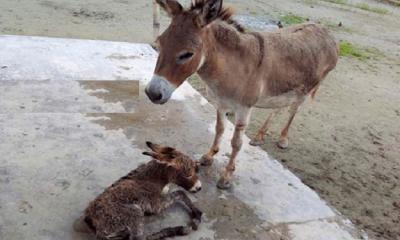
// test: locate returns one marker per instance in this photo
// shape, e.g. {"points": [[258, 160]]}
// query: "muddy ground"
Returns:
{"points": [[345, 144]]}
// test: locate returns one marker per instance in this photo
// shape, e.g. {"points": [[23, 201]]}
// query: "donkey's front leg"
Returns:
{"points": [[207, 159], [241, 120]]}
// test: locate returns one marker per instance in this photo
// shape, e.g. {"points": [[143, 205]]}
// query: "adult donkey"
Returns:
{"points": [[241, 69]]}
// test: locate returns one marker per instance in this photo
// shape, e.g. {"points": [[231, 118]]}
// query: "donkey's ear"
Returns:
{"points": [[151, 154], [209, 12], [172, 7], [161, 159]]}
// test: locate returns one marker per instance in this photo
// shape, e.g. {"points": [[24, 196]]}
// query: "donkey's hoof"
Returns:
{"points": [[206, 160], [283, 143], [256, 142], [224, 184]]}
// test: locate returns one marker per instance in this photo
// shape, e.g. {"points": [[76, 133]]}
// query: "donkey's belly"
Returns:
{"points": [[280, 101]]}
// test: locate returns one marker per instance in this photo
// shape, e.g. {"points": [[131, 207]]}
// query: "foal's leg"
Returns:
{"points": [[259, 138], [169, 232], [207, 159], [241, 121], [283, 139], [128, 224], [195, 214]]}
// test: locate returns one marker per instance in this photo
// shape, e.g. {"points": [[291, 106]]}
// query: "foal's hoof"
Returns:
{"points": [[196, 214], [196, 220], [256, 142], [283, 143], [183, 231], [224, 184], [195, 224], [206, 160]]}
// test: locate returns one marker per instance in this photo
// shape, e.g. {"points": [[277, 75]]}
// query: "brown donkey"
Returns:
{"points": [[241, 69], [118, 213]]}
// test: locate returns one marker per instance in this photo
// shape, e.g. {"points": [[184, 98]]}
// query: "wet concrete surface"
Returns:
{"points": [[73, 119]]}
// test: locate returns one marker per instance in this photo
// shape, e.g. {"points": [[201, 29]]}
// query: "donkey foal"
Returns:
{"points": [[118, 213]]}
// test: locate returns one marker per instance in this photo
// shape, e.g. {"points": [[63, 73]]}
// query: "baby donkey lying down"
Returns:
{"points": [[118, 213]]}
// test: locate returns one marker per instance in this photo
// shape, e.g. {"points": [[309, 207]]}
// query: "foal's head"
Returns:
{"points": [[181, 169], [180, 46]]}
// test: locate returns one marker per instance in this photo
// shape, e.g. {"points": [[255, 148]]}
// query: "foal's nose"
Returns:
{"points": [[154, 96], [196, 187]]}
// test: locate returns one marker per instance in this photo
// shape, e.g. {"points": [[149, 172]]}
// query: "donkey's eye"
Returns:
{"points": [[184, 56]]}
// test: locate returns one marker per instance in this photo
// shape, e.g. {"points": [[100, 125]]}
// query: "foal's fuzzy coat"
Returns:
{"points": [[118, 213]]}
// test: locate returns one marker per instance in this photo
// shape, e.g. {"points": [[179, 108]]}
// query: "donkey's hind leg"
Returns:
{"points": [[283, 139], [259, 138]]}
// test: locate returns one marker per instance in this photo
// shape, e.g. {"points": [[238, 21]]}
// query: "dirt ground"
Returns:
{"points": [[345, 144]]}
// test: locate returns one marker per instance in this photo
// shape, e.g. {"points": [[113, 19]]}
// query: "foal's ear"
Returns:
{"points": [[161, 149], [161, 158], [209, 12], [172, 7]]}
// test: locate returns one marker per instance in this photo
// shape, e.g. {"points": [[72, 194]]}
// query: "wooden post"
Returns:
{"points": [[156, 19]]}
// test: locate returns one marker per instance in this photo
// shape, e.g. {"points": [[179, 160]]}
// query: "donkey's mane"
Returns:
{"points": [[225, 14]]}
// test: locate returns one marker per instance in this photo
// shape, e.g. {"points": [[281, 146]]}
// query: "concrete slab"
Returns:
{"points": [[64, 139]]}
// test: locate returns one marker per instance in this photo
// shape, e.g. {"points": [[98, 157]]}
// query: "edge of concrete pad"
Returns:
{"points": [[291, 204]]}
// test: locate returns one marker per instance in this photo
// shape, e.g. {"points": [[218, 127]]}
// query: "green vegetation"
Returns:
{"points": [[348, 49], [291, 19], [366, 7], [363, 6], [393, 2]]}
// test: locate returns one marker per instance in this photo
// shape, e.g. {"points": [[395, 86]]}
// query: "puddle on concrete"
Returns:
{"points": [[124, 91]]}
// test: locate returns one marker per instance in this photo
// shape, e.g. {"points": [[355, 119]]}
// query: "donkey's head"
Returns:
{"points": [[181, 168], [180, 46]]}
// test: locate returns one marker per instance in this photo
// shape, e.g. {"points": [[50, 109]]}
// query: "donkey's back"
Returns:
{"points": [[297, 58]]}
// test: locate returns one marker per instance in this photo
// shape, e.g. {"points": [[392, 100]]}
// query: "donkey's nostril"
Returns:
{"points": [[154, 96], [157, 97]]}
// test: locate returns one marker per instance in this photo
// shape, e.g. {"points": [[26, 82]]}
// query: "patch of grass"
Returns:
{"points": [[348, 49], [366, 7], [254, 13], [393, 2], [291, 19]]}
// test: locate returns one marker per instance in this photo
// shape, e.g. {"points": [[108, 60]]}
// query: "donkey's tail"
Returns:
{"points": [[170, 232]]}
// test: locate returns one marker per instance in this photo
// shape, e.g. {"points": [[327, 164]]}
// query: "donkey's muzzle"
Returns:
{"points": [[159, 90], [155, 97]]}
